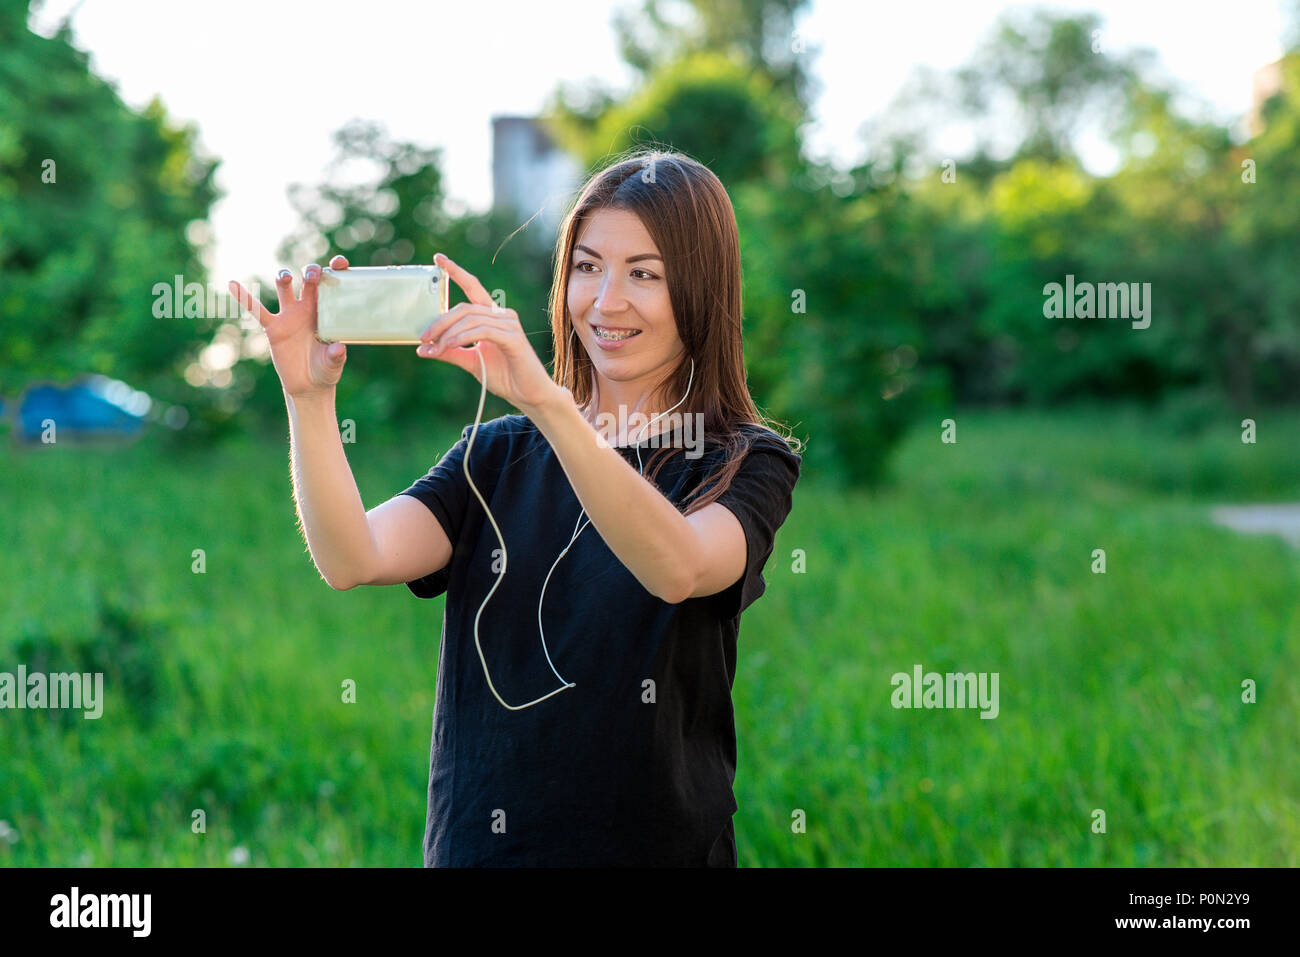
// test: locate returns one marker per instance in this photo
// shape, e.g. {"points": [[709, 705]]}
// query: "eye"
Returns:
{"points": [[578, 266], [648, 275]]}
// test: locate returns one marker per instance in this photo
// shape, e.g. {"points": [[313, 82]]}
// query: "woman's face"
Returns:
{"points": [[618, 298]]}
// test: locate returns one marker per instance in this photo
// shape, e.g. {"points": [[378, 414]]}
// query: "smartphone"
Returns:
{"points": [[379, 305]]}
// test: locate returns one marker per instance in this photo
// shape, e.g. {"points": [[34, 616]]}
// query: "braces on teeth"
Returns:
{"points": [[607, 334]]}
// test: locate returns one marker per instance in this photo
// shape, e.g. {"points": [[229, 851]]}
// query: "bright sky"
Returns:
{"points": [[267, 83]]}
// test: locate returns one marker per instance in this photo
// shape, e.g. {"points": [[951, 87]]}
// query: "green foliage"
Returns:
{"points": [[684, 104], [95, 201], [1180, 213], [758, 33], [831, 343], [1263, 327], [1054, 72]]}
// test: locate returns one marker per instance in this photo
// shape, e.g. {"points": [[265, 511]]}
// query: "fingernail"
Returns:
{"points": [[284, 274]]}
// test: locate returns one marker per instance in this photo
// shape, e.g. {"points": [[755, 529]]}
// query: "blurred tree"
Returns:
{"points": [[832, 338], [1173, 198], [759, 33], [1264, 329], [1014, 215], [98, 204], [1035, 87], [729, 118], [1045, 76]]}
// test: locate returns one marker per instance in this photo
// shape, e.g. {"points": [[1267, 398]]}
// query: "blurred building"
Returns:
{"points": [[1267, 80], [531, 175]]}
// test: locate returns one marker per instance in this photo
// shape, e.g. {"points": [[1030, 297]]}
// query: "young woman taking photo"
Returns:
{"points": [[583, 711]]}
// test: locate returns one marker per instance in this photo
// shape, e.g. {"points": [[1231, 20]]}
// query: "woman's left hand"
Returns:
{"points": [[514, 372]]}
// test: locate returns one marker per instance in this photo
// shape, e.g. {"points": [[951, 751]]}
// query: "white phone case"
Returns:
{"points": [[379, 305]]}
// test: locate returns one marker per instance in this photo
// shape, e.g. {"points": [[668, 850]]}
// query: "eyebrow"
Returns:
{"points": [[631, 259]]}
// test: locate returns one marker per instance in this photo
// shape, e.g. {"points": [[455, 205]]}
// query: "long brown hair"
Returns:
{"points": [[689, 215]]}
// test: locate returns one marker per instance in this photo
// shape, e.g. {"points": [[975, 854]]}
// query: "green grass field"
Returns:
{"points": [[1119, 692]]}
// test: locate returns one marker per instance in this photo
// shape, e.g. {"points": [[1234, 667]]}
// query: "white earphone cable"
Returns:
{"points": [[578, 528]]}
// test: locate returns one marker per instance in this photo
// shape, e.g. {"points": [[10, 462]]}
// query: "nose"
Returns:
{"points": [[610, 299]]}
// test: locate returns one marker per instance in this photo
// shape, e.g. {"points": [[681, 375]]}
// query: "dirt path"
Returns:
{"points": [[1281, 520]]}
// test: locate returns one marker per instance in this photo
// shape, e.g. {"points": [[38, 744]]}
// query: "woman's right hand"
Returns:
{"points": [[306, 365]]}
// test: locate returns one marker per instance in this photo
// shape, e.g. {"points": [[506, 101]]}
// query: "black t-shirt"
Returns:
{"points": [[635, 764]]}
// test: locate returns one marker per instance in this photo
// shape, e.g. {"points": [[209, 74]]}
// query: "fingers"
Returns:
{"points": [[461, 311], [284, 288], [466, 359], [472, 288], [473, 330], [310, 284], [459, 333], [338, 262], [250, 303]]}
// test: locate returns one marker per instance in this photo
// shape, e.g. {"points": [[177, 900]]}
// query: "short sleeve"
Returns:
{"points": [[444, 491], [760, 496]]}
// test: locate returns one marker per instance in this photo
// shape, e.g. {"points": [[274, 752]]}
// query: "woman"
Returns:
{"points": [[583, 711]]}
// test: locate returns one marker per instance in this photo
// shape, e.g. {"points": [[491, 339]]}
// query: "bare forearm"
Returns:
{"points": [[330, 511], [641, 527]]}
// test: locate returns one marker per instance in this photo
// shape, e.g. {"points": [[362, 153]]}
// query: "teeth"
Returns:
{"points": [[612, 336]]}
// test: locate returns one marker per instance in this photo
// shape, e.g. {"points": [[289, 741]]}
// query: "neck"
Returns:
{"points": [[616, 403]]}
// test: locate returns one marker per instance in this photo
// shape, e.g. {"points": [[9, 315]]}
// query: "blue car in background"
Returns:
{"points": [[95, 407]]}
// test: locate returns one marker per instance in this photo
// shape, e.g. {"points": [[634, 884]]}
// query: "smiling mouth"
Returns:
{"points": [[614, 335]]}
